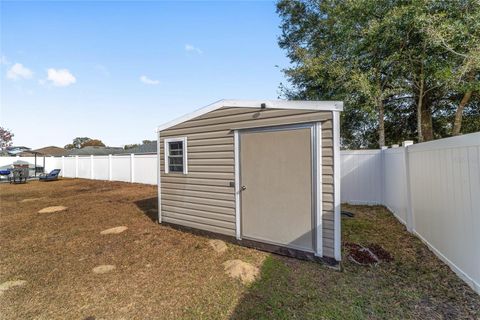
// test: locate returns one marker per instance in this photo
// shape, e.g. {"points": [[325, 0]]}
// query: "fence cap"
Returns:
{"points": [[395, 145], [407, 143]]}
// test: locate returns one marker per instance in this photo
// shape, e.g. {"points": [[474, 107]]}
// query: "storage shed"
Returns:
{"points": [[263, 173]]}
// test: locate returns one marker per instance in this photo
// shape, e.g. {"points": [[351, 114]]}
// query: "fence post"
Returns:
{"points": [[76, 166], [109, 167], [382, 177], [408, 190], [132, 167], [91, 167], [63, 166]]}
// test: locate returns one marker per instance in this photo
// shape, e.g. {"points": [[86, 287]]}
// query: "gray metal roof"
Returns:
{"points": [[86, 151], [150, 147]]}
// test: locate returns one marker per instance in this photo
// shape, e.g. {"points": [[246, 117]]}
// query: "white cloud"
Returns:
{"points": [[191, 48], [147, 80], [60, 77], [18, 71]]}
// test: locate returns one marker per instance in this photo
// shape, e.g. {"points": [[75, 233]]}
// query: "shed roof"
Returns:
{"points": [[272, 104]]}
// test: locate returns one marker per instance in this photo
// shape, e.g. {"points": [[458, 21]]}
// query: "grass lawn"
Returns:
{"points": [[164, 273]]}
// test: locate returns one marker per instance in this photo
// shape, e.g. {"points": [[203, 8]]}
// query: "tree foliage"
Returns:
{"points": [[6, 137], [405, 69], [81, 142], [93, 143]]}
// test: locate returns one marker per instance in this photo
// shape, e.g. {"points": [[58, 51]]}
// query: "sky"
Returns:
{"points": [[114, 71]]}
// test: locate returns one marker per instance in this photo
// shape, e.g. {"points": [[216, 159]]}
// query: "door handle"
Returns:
{"points": [[243, 188]]}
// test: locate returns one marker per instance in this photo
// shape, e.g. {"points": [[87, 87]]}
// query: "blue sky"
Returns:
{"points": [[116, 70]]}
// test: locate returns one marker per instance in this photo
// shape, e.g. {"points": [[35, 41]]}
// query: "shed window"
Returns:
{"points": [[176, 155]]}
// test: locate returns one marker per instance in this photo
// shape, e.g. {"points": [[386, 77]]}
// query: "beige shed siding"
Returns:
{"points": [[203, 198], [327, 161]]}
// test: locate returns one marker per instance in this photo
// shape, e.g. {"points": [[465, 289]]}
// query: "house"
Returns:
{"points": [[264, 174], [146, 148], [16, 150], [50, 151]]}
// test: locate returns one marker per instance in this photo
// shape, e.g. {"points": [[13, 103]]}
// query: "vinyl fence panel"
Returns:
{"points": [[52, 163], [394, 182], [433, 188], [445, 195], [101, 168], [361, 178], [144, 166], [69, 168], [84, 167], [121, 168]]}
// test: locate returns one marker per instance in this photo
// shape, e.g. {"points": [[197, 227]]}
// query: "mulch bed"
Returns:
{"points": [[368, 255], [380, 252]]}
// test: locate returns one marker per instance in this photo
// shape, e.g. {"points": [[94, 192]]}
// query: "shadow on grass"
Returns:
{"points": [[149, 207]]}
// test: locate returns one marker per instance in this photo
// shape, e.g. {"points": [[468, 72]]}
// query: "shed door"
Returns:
{"points": [[276, 173]]}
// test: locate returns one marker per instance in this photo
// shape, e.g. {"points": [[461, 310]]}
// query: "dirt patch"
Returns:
{"points": [[52, 209], [239, 269], [380, 252], [218, 246], [368, 255], [31, 199], [10, 284], [104, 268], [115, 230], [363, 256]]}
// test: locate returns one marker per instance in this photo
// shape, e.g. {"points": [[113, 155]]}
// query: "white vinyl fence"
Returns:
{"points": [[140, 168], [433, 188], [5, 161]]}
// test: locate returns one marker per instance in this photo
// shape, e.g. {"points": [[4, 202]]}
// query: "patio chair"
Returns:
{"points": [[53, 175]]}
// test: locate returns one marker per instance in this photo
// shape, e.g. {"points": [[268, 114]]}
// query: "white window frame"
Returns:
{"points": [[167, 152]]}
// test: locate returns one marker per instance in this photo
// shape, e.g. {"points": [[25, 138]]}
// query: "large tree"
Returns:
{"points": [[385, 60], [454, 28]]}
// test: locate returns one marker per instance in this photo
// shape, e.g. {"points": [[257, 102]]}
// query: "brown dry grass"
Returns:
{"points": [[163, 273]]}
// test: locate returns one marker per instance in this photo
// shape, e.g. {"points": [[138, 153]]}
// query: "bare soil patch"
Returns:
{"points": [[11, 284], [104, 268], [380, 252], [115, 230], [218, 246], [31, 199], [242, 270], [52, 209]]}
